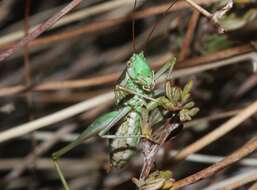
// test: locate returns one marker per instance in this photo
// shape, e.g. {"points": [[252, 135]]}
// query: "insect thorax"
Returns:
{"points": [[127, 99]]}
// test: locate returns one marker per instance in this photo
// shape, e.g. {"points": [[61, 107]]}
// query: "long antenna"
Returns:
{"points": [[133, 29], [157, 22]]}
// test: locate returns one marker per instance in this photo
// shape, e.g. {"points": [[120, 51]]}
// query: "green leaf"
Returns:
{"points": [[184, 115], [193, 111], [189, 105], [167, 104], [168, 89], [176, 94], [186, 91]]}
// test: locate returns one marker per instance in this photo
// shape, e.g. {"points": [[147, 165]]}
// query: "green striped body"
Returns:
{"points": [[122, 149], [139, 78]]}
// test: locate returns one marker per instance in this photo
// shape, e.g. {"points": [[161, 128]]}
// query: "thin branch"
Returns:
{"points": [[150, 149], [242, 181], [199, 8], [41, 149], [212, 117], [26, 48], [219, 132], [247, 85], [62, 84], [213, 17], [188, 36], [39, 30], [201, 62], [253, 187], [76, 109], [220, 13], [71, 165], [234, 182], [27, 73], [73, 17], [220, 55], [211, 159], [83, 106], [55, 117], [99, 26], [245, 150]]}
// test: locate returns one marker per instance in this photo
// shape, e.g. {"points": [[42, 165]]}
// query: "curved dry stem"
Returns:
{"points": [[245, 150], [219, 132], [55, 117], [39, 30]]}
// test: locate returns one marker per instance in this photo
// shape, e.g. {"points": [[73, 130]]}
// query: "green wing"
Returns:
{"points": [[111, 122], [103, 123]]}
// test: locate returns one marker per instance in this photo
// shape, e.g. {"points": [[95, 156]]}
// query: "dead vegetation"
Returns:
{"points": [[60, 60]]}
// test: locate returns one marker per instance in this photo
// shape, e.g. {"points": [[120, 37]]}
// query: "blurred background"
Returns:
{"points": [[81, 57]]}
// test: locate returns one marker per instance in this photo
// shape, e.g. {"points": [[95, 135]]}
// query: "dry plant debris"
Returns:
{"points": [[60, 61]]}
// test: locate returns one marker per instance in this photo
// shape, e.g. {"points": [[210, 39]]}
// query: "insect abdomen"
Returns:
{"points": [[122, 149]]}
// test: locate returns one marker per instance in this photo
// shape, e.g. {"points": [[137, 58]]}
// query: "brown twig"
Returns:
{"points": [[27, 70], [41, 149], [254, 186], [100, 26], [235, 181], [215, 16], [221, 12], [63, 85], [188, 36], [245, 150], [199, 8], [67, 98], [212, 117], [219, 132], [25, 49], [27, 73], [220, 55], [249, 84], [55, 117], [150, 150], [252, 176], [39, 30], [81, 14], [108, 78]]}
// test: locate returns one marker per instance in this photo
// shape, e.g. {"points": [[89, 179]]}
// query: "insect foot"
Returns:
{"points": [[157, 180]]}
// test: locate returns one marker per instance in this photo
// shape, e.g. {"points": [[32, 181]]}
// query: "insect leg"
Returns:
{"points": [[121, 137], [136, 93], [154, 104], [107, 120], [168, 66], [59, 171]]}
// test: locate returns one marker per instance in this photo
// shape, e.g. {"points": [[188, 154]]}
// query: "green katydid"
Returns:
{"points": [[137, 79]]}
